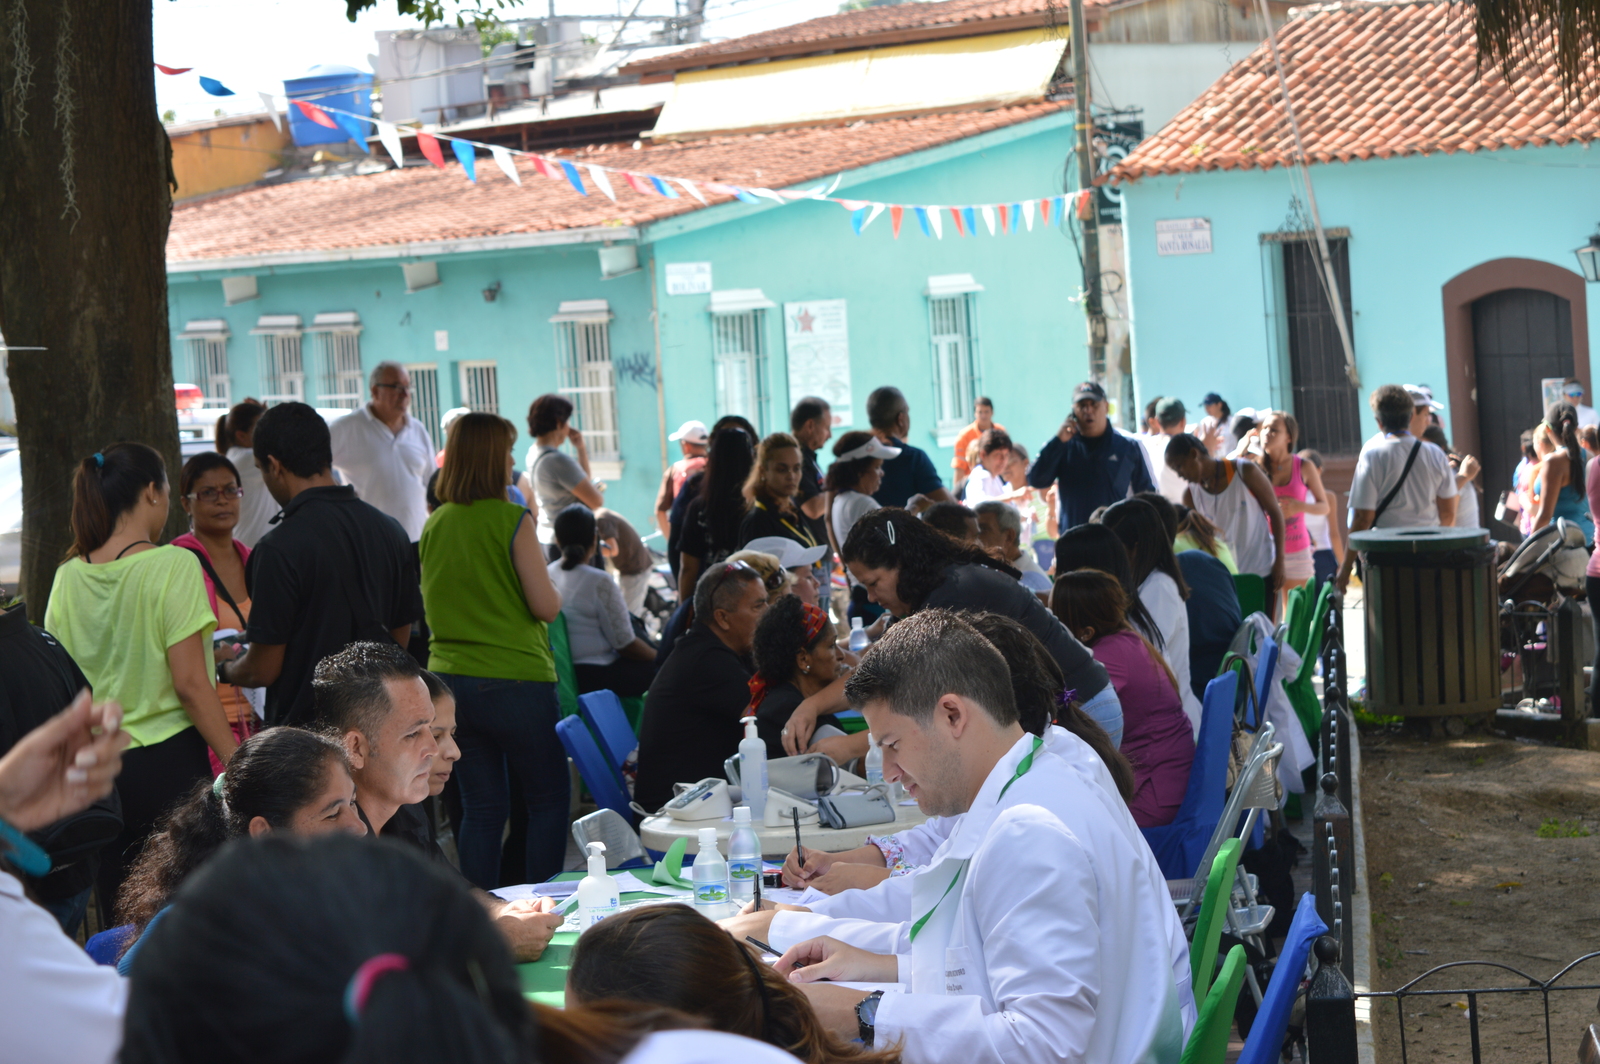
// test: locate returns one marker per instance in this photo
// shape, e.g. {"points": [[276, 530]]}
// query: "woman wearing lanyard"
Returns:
{"points": [[774, 482]]}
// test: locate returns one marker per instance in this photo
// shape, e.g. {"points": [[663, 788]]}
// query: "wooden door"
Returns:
{"points": [[1519, 336]]}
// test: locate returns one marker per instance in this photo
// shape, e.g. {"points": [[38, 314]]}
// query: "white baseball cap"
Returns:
{"points": [[1422, 395], [790, 554], [873, 448], [693, 431]]}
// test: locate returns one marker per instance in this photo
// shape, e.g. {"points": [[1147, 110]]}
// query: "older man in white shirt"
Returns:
{"points": [[385, 452], [1037, 933]]}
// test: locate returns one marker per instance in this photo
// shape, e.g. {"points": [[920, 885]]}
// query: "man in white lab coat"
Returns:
{"points": [[1035, 937]]}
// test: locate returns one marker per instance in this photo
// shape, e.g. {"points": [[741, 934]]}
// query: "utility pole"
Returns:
{"points": [[1095, 318]]}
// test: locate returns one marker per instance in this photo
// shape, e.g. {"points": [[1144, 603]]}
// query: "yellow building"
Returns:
{"points": [[224, 153]]}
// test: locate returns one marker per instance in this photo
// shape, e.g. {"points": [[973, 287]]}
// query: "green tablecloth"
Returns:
{"points": [[545, 979]]}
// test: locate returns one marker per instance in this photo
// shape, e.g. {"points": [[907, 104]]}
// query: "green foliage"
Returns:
{"points": [[483, 18], [1562, 829], [168, 117], [495, 35]]}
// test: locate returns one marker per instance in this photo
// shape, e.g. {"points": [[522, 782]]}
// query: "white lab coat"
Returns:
{"points": [[1165, 604], [1052, 945]]}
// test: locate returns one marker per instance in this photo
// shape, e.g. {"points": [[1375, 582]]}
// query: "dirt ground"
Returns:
{"points": [[1458, 872]]}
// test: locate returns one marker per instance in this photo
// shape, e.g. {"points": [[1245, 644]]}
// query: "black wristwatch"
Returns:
{"points": [[222, 676], [867, 1016]]}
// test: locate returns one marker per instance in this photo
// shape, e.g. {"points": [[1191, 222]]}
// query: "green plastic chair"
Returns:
{"points": [[1252, 592], [1302, 695], [1213, 913], [1295, 617], [1208, 1044], [566, 675]]}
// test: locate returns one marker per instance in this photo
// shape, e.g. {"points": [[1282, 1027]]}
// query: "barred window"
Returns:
{"points": [[480, 387], [283, 375], [586, 376], [953, 335]]}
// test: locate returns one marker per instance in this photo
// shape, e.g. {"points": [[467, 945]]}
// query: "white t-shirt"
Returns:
{"points": [[1167, 482], [389, 470], [597, 615], [258, 507], [1586, 415], [1159, 594], [1033, 577], [1246, 527], [848, 508], [983, 486], [1467, 511], [56, 1005], [1378, 470]]}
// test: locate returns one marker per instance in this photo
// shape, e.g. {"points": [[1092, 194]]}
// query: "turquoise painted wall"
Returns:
{"points": [[1201, 322], [1030, 335]]}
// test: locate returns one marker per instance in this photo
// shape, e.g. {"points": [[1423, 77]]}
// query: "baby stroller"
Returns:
{"points": [[1540, 576]]}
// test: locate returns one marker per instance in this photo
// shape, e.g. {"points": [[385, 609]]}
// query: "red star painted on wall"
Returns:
{"points": [[804, 320]]}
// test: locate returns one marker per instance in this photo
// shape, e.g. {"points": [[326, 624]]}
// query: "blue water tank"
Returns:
{"points": [[330, 85]]}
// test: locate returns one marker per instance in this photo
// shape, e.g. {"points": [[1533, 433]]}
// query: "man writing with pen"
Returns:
{"points": [[1037, 931]]}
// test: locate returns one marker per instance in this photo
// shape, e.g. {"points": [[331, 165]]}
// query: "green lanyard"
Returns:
{"points": [[1022, 770]]}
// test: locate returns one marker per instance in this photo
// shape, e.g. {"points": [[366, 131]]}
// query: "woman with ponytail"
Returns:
{"points": [[235, 439], [1560, 480], [671, 956], [135, 618], [607, 653], [796, 657], [489, 602], [281, 779]]}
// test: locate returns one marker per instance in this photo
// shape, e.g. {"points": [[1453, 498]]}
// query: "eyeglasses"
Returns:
{"points": [[210, 495], [735, 566], [403, 389]]}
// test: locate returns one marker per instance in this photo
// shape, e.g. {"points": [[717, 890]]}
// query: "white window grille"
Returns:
{"points": [[586, 375], [206, 341], [480, 387], [953, 334], [283, 374], [739, 354], [425, 398], [343, 385]]}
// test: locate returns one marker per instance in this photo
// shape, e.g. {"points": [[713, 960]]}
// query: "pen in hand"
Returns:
{"points": [[763, 947], [800, 851]]}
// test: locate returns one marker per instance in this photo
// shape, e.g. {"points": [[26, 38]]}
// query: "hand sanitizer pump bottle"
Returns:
{"points": [[597, 892], [753, 769]]}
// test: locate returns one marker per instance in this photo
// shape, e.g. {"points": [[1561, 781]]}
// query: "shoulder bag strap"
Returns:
{"points": [[1383, 505], [216, 582]]}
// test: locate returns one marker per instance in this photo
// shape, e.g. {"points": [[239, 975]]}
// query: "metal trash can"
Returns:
{"points": [[1432, 621]]}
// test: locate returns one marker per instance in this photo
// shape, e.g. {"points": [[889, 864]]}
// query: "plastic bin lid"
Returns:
{"points": [[1417, 540]]}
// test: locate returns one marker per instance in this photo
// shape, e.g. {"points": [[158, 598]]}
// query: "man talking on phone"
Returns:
{"points": [[1092, 464]]}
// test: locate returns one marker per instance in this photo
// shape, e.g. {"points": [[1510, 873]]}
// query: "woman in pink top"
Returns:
{"points": [[1298, 485], [1156, 735], [211, 493]]}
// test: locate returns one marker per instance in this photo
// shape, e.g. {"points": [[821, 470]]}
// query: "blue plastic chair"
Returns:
{"points": [[603, 712], [1178, 846], [106, 947], [597, 773], [1265, 1043], [1266, 665]]}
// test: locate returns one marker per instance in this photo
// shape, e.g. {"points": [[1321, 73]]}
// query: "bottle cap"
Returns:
{"points": [[855, 622], [708, 839], [741, 814], [596, 849], [749, 727]]}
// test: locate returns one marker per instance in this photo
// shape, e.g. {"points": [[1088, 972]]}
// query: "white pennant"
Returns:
{"points": [[601, 182], [389, 135], [988, 218], [877, 209], [1027, 213], [503, 160], [691, 188], [272, 110], [933, 220]]}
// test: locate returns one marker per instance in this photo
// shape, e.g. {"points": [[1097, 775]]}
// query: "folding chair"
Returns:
{"points": [[106, 946], [597, 774], [603, 712], [1178, 846], [1265, 1043], [1213, 914], [1252, 592], [1302, 693], [623, 848], [1209, 1042], [566, 675], [1252, 792]]}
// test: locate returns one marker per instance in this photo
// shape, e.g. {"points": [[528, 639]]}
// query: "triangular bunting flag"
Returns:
{"points": [[467, 157], [272, 110], [355, 128], [507, 165], [933, 220], [744, 195], [573, 178], [541, 164], [988, 219], [602, 181], [173, 70], [1044, 210], [638, 184], [429, 144], [922, 220], [662, 187], [853, 204], [215, 87], [896, 213], [690, 187], [972, 220], [769, 194], [858, 218], [955, 216], [877, 209], [1005, 219], [389, 136], [315, 113], [1016, 211], [1027, 214]]}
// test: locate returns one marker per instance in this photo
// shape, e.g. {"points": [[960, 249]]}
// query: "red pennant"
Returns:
{"points": [[316, 114], [895, 214], [642, 187], [541, 164], [955, 214], [1085, 204], [1044, 210], [430, 148], [1005, 219], [173, 70]]}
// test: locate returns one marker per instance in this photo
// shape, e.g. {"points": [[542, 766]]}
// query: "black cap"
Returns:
{"points": [[1211, 397], [1089, 390]]}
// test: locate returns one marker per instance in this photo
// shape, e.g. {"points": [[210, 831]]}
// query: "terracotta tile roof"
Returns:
{"points": [[424, 203], [1368, 80], [868, 27]]}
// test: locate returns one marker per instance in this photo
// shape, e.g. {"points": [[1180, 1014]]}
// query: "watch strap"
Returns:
{"points": [[867, 1016]]}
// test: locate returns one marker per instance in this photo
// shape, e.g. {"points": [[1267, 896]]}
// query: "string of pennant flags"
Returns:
{"points": [[999, 219]]}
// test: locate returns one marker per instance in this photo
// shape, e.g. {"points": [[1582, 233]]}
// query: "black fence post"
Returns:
{"points": [[1332, 857], [1330, 1009]]}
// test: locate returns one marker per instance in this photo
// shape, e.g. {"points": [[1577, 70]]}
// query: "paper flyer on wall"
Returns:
{"points": [[817, 338]]}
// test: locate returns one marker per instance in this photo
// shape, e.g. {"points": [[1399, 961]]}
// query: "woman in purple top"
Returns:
{"points": [[1156, 737]]}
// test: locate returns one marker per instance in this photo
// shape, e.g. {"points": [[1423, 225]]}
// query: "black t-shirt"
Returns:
{"points": [[703, 541], [691, 716], [412, 826], [763, 521], [811, 481], [675, 516], [776, 708], [969, 586], [332, 571]]}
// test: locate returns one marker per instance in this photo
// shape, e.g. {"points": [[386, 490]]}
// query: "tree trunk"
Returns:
{"points": [[84, 208]]}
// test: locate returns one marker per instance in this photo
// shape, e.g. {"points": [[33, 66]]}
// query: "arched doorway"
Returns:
{"points": [[1508, 324]]}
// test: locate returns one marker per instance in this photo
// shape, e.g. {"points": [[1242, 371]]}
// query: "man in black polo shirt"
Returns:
{"points": [[331, 570], [912, 473]]}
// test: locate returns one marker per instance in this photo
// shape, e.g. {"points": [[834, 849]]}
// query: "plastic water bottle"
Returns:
{"points": [[874, 767], [858, 636], [597, 892], [710, 874], [744, 857], [753, 768]]}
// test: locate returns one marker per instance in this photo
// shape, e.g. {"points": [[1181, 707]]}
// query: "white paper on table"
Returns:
{"points": [[626, 883], [573, 923]]}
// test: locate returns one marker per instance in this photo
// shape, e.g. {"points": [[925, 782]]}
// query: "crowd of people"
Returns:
{"points": [[359, 636]]}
